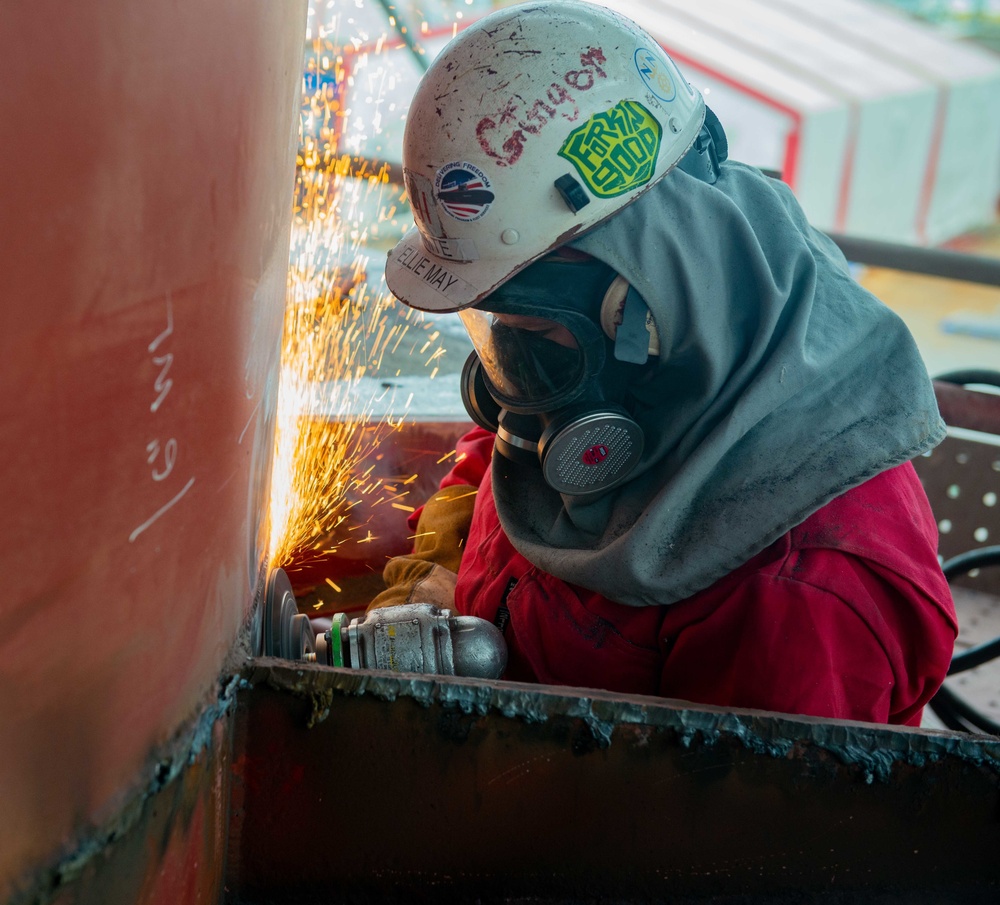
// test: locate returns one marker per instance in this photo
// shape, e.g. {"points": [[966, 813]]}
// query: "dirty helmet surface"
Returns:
{"points": [[532, 126]]}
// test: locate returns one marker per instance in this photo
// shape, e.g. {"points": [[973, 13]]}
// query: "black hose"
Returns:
{"points": [[943, 707], [954, 712], [959, 565], [979, 558], [975, 656]]}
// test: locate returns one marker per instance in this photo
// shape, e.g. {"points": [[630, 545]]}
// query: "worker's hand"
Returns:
{"points": [[416, 581], [429, 573]]}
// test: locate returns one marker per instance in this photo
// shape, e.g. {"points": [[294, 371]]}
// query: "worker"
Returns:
{"points": [[691, 472]]}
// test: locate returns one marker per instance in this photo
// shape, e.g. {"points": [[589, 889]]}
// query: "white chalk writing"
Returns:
{"points": [[161, 455]]}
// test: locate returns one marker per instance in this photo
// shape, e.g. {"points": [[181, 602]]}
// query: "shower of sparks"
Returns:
{"points": [[339, 322]]}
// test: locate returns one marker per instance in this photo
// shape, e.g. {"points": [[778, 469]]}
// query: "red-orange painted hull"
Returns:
{"points": [[146, 170]]}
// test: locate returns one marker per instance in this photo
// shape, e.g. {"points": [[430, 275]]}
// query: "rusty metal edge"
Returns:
{"points": [[875, 750]]}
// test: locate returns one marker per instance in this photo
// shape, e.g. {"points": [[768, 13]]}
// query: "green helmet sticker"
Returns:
{"points": [[615, 151]]}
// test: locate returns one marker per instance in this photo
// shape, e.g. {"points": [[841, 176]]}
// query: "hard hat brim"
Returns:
{"points": [[429, 282]]}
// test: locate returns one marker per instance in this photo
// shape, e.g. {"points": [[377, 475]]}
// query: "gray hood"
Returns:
{"points": [[781, 384]]}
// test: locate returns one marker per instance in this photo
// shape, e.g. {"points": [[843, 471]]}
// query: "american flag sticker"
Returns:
{"points": [[463, 191]]}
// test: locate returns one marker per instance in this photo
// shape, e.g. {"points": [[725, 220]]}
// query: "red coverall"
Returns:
{"points": [[845, 616]]}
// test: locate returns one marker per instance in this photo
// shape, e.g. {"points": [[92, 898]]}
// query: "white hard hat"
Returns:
{"points": [[534, 124]]}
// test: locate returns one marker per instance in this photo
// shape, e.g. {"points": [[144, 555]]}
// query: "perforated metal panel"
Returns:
{"points": [[962, 479]]}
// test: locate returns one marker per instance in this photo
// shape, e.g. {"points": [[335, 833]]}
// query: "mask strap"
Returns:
{"points": [[710, 148], [632, 336], [627, 321]]}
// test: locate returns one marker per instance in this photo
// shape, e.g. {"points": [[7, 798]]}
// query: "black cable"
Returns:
{"points": [[942, 706], [979, 558], [975, 656], [959, 565], [958, 709], [952, 710]]}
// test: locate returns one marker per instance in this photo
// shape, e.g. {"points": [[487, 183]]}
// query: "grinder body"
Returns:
{"points": [[413, 637]]}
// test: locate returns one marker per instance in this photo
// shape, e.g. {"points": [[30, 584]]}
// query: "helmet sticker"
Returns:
{"points": [[463, 190], [615, 151], [655, 74], [521, 117], [439, 278]]}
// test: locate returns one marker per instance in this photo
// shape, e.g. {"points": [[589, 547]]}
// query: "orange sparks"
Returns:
{"points": [[337, 329]]}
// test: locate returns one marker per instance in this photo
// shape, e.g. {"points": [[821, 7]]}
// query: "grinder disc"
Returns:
{"points": [[283, 634]]}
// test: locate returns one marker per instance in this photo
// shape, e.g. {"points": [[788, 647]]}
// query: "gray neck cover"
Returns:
{"points": [[780, 385]]}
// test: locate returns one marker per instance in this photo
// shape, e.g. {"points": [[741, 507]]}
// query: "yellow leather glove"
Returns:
{"points": [[429, 573]]}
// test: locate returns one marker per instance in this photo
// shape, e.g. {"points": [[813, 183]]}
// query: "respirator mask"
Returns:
{"points": [[552, 387]]}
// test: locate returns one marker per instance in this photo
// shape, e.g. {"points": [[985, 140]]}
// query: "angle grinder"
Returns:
{"points": [[413, 638]]}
